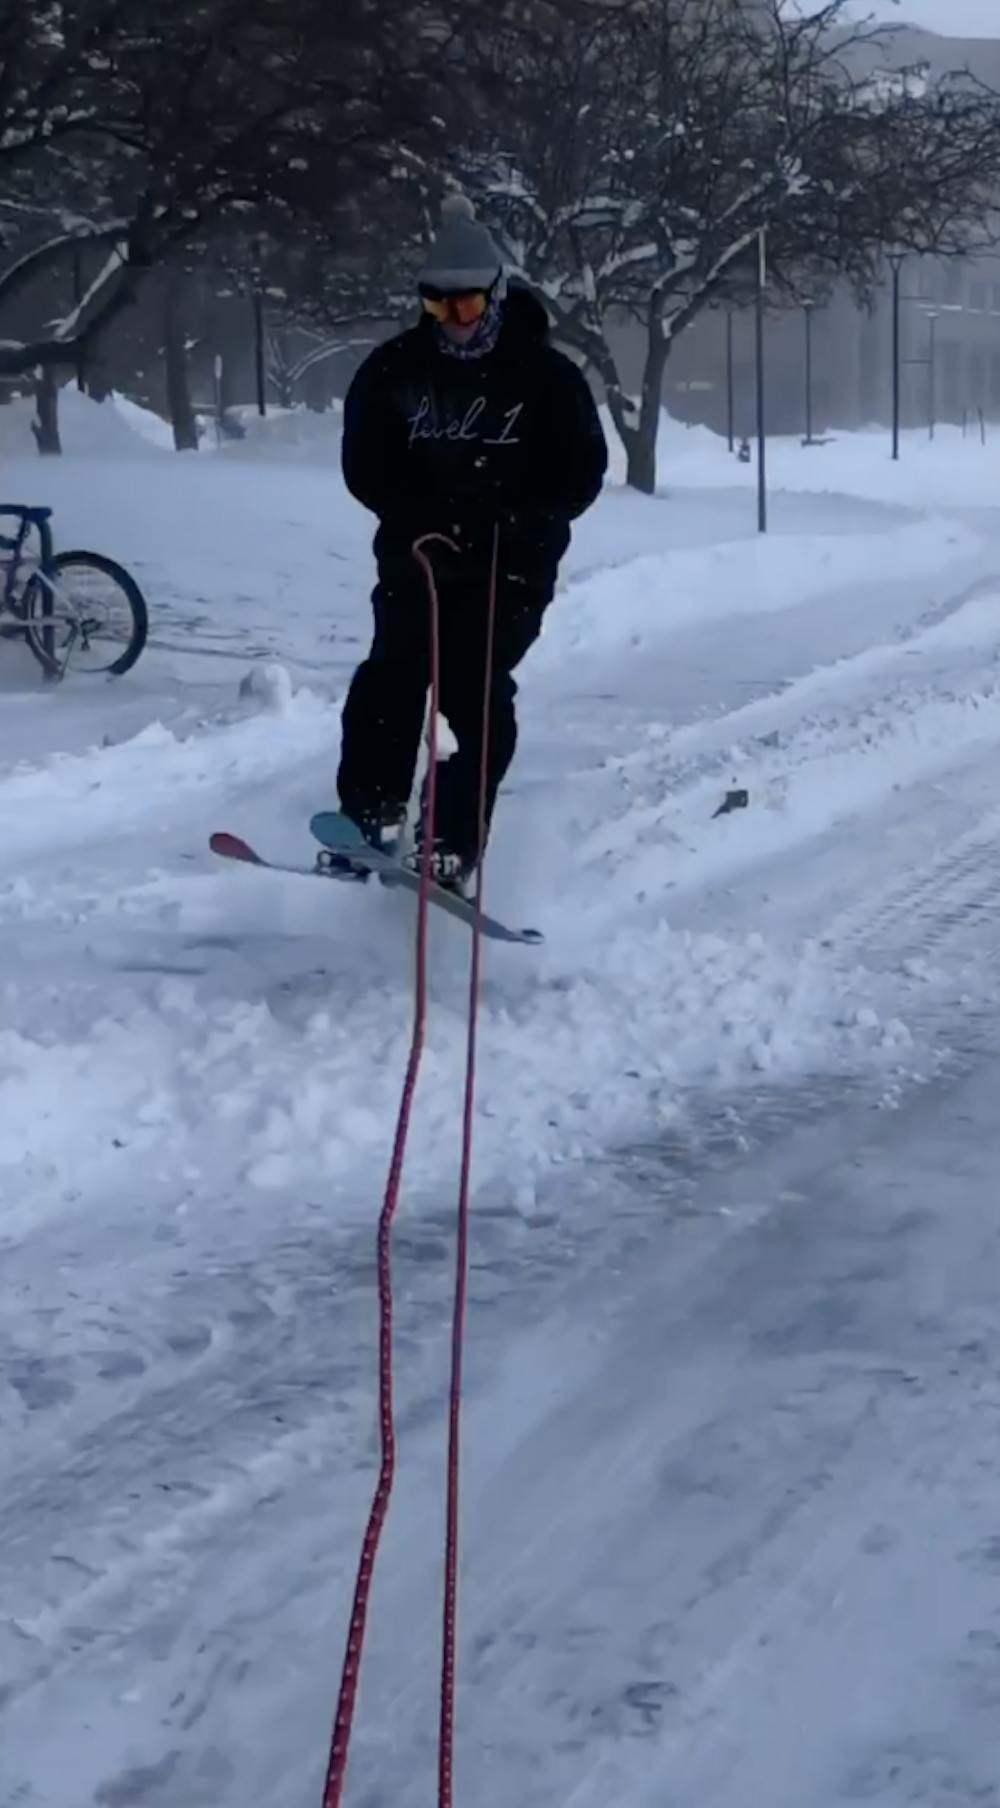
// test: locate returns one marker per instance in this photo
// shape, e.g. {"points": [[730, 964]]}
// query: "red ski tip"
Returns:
{"points": [[231, 847]]}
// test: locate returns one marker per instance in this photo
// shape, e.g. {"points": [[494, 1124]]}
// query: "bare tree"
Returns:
{"points": [[640, 155], [138, 127]]}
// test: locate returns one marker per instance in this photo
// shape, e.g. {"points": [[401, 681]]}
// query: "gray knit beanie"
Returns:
{"points": [[464, 254]]}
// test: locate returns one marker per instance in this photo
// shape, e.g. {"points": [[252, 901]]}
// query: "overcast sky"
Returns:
{"points": [[955, 18]]}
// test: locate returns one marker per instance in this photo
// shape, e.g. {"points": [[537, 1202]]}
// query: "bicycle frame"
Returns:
{"points": [[16, 548], [13, 612], [58, 611]]}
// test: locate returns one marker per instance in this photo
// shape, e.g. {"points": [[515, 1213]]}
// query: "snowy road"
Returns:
{"points": [[732, 1533], [732, 1494]]}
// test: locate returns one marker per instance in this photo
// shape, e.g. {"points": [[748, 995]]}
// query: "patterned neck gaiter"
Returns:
{"points": [[486, 335]]}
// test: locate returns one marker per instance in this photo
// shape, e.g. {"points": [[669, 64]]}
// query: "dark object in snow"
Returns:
{"points": [[733, 800]]}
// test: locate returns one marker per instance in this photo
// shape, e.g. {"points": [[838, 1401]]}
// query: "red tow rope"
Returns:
{"points": [[446, 1745], [347, 1698]]}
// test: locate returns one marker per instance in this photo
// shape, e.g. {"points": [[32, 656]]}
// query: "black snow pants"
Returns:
{"points": [[384, 712]]}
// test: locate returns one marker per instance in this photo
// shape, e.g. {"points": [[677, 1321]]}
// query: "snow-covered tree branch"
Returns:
{"points": [[123, 122], [646, 152]]}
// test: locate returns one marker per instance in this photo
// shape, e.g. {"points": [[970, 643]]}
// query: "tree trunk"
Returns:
{"points": [[283, 373], [636, 428], [227, 386], [179, 405], [641, 445], [280, 372], [260, 351], [99, 384], [316, 388], [620, 406], [641, 452], [45, 425]]}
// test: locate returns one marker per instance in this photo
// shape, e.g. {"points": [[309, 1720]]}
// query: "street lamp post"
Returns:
{"points": [[761, 374], [932, 321], [808, 310], [896, 260], [259, 327], [730, 381], [217, 370], [259, 342]]}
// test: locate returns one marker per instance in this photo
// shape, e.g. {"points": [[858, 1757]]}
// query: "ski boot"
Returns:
{"points": [[450, 871], [382, 829]]}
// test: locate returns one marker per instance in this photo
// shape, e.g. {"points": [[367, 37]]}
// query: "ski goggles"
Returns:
{"points": [[462, 309]]}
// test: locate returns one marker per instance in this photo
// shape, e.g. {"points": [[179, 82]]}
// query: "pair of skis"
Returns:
{"points": [[340, 836]]}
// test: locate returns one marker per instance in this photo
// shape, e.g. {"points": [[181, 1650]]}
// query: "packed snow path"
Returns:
{"points": [[731, 1536], [731, 1498]]}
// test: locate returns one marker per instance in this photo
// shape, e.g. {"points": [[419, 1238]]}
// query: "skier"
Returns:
{"points": [[468, 424]]}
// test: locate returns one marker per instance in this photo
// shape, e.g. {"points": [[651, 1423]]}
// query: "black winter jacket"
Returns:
{"points": [[435, 444]]}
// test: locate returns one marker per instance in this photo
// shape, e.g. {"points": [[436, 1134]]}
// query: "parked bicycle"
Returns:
{"points": [[68, 606]]}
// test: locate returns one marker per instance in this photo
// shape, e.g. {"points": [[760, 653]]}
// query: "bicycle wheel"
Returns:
{"points": [[87, 612]]}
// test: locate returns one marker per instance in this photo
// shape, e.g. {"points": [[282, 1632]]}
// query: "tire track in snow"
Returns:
{"points": [[167, 1462], [828, 754], [665, 1492], [948, 907]]}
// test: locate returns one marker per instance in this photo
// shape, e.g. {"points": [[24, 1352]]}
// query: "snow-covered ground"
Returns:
{"points": [[732, 1334]]}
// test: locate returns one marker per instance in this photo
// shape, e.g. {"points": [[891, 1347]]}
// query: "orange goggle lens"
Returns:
{"points": [[461, 310]]}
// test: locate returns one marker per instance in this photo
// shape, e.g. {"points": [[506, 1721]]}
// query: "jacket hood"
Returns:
{"points": [[524, 315]]}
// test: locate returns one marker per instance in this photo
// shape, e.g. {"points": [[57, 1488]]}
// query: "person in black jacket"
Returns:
{"points": [[467, 424]]}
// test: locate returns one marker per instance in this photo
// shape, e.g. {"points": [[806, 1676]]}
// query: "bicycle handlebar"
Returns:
{"points": [[31, 516]]}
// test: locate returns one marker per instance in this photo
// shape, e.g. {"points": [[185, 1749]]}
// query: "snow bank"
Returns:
{"points": [[87, 429], [653, 595], [121, 428], [952, 470], [145, 423], [838, 763]]}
